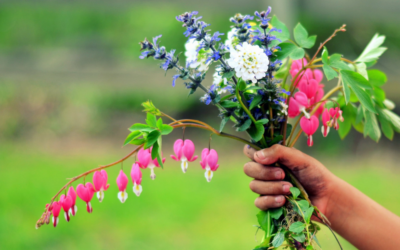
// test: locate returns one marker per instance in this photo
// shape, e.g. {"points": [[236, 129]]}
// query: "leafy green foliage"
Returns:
{"points": [[297, 227], [371, 127], [284, 34], [302, 38], [150, 108], [276, 213], [256, 131], [279, 239], [300, 237], [264, 220], [373, 50], [295, 192]]}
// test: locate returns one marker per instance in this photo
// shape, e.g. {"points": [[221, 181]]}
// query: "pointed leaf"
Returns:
{"points": [[133, 135], [297, 227], [371, 127]]}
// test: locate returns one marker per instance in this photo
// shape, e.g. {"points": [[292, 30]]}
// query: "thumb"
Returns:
{"points": [[289, 157]]}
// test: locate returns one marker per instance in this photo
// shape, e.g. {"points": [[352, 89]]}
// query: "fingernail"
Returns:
{"points": [[278, 174], [279, 199], [260, 154], [286, 188]]}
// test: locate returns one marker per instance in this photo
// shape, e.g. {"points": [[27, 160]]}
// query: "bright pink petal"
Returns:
{"points": [[178, 148], [56, 208], [66, 202], [136, 174], [193, 158], [309, 87], [122, 181], [294, 108], [98, 180], [326, 117], [212, 160], [301, 99], [105, 179], [72, 194], [309, 126], [188, 149], [174, 157], [144, 157], [318, 75], [85, 192]]}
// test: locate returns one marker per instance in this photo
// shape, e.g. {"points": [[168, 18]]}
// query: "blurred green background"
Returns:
{"points": [[71, 83]]}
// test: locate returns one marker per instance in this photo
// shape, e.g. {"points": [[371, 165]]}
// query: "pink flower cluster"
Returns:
{"points": [[310, 93], [184, 152]]}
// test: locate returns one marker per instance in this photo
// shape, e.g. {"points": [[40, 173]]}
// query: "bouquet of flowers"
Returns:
{"points": [[263, 76]]}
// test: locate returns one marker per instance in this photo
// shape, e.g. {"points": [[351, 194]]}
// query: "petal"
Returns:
{"points": [[184, 166], [208, 174], [204, 154], [212, 159], [136, 174], [174, 157], [318, 75], [188, 149], [122, 196], [193, 158], [72, 194], [100, 195], [137, 189], [294, 108], [178, 148], [122, 181], [97, 180]]}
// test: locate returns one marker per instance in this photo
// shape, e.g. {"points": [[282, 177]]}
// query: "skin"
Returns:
{"points": [[353, 215]]}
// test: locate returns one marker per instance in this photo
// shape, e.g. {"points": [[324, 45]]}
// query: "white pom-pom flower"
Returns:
{"points": [[198, 59], [249, 61]]}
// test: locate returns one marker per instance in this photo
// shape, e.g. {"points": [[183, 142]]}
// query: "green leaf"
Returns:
{"points": [[295, 192], [386, 124], [138, 141], [309, 247], [301, 37], [376, 77], [245, 125], [352, 79], [298, 53], [229, 104], [373, 50], [228, 74], [394, 119], [151, 138], [360, 115], [256, 131], [289, 128], [276, 213], [256, 100], [379, 94], [166, 129], [308, 214], [159, 160], [299, 237], [371, 127], [264, 220], [223, 123], [336, 61], [264, 121], [278, 240], [284, 34], [362, 69], [329, 72], [285, 51], [356, 78], [325, 56], [150, 108], [151, 120], [133, 135], [241, 85], [297, 227], [159, 123], [141, 127], [154, 151], [349, 113]]}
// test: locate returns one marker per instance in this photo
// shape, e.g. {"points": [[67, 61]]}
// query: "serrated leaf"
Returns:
{"points": [[329, 72], [356, 78], [386, 124], [394, 119], [360, 115], [284, 34], [373, 50], [151, 138], [276, 213], [299, 237], [351, 79], [295, 192], [166, 129], [151, 120], [133, 135], [376, 77], [278, 240], [298, 53], [141, 127], [297, 227], [256, 100], [362, 69], [349, 114], [371, 127]]}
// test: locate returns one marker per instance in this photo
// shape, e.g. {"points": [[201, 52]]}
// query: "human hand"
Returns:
{"points": [[269, 180]]}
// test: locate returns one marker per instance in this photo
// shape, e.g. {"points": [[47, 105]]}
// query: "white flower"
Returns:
{"points": [[284, 108], [232, 40], [249, 61], [198, 59]]}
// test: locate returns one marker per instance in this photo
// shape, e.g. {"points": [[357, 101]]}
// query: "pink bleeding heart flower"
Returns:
{"points": [[122, 182], [86, 192], [326, 117], [100, 183], [336, 115], [309, 126], [309, 87], [318, 75], [72, 194], [136, 175], [48, 213], [56, 208], [145, 161], [209, 160], [298, 104], [66, 203], [184, 151]]}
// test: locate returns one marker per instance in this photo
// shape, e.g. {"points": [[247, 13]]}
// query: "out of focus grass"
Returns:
{"points": [[175, 211]]}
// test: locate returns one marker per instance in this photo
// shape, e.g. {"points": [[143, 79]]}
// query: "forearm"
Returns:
{"points": [[360, 220]]}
